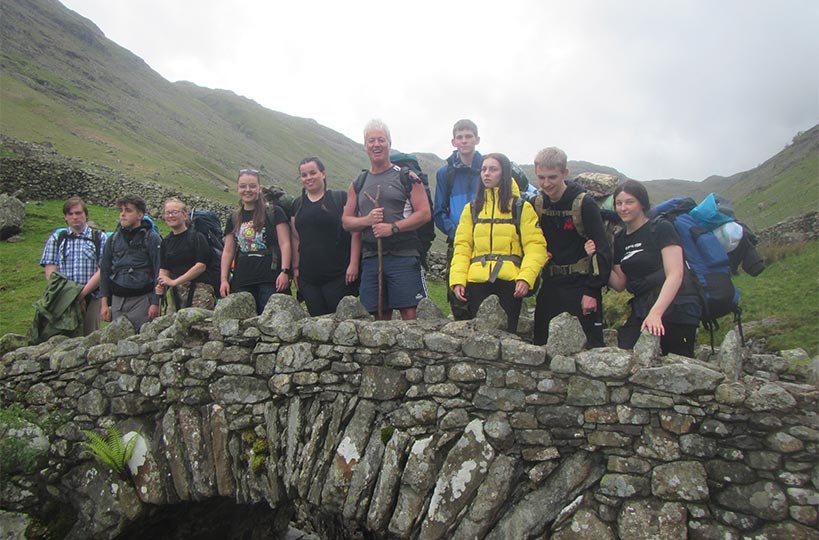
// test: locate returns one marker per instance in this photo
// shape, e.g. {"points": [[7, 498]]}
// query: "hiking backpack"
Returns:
{"points": [[707, 260], [716, 214], [96, 238], [612, 223], [208, 223], [407, 163]]}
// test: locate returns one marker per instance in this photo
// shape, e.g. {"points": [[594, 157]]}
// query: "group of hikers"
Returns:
{"points": [[364, 241]]}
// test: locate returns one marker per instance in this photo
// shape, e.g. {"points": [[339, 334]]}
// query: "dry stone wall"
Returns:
{"points": [[428, 429], [43, 174]]}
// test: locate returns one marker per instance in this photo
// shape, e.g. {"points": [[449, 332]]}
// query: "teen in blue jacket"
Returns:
{"points": [[456, 185]]}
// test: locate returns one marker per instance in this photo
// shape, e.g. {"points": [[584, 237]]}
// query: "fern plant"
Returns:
{"points": [[111, 450]]}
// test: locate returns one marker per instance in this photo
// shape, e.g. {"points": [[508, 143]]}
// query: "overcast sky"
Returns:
{"points": [[657, 89]]}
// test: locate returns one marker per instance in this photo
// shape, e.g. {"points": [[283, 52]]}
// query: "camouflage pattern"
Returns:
{"points": [[598, 185], [203, 297]]}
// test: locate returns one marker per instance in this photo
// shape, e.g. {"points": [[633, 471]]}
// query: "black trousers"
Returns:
{"points": [[678, 339], [556, 296], [460, 311], [504, 290]]}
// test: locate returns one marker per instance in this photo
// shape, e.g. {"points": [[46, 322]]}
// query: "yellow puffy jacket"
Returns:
{"points": [[482, 246]]}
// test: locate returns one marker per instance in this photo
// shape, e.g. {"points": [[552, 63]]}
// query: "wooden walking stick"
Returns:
{"points": [[375, 200]]}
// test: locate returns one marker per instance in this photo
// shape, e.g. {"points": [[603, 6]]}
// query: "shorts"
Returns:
{"points": [[404, 284]]}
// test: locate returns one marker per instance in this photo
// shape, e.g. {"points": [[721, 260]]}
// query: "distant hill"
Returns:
{"points": [[785, 185]]}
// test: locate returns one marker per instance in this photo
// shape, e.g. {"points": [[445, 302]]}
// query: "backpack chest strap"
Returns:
{"points": [[499, 259]]}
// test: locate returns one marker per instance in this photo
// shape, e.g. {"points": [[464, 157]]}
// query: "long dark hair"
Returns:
{"points": [[636, 190], [259, 209], [504, 188], [319, 166]]}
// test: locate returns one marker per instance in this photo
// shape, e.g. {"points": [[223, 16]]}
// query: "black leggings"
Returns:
{"points": [[323, 298]]}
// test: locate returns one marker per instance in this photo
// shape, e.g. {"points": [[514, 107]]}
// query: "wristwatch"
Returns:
{"points": [[288, 272], [395, 229]]}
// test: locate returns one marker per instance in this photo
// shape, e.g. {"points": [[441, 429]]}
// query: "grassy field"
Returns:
{"points": [[785, 296]]}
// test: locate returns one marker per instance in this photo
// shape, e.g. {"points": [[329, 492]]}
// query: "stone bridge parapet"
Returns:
{"points": [[427, 430]]}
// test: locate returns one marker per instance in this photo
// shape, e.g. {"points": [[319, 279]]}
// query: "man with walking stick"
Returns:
{"points": [[387, 204]]}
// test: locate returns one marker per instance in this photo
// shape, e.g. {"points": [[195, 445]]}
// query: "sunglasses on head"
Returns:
{"points": [[254, 172]]}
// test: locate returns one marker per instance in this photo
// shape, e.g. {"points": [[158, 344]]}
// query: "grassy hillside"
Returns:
{"points": [[63, 82], [785, 185]]}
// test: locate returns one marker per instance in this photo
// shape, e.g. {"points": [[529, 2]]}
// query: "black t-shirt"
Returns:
{"points": [[324, 247], [179, 252], [256, 249], [639, 255]]}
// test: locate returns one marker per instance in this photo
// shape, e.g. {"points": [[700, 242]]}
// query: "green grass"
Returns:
{"points": [[22, 279]]}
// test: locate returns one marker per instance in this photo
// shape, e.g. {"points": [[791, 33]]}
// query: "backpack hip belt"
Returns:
{"points": [[580, 267], [500, 259]]}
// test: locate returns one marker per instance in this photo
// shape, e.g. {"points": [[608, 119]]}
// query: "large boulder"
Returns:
{"points": [[12, 214]]}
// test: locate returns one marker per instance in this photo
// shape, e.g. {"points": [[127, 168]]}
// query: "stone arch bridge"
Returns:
{"points": [[409, 430]]}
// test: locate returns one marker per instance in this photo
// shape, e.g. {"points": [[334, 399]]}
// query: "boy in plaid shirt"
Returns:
{"points": [[75, 253]]}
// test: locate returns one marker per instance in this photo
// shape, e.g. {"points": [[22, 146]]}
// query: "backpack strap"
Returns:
{"points": [[537, 203], [295, 208], [577, 214], [96, 239], [358, 185]]}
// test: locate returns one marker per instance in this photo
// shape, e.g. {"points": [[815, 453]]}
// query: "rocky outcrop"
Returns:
{"points": [[12, 214], [427, 429]]}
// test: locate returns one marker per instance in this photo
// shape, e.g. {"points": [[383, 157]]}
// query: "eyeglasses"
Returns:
{"points": [[254, 172], [171, 213]]}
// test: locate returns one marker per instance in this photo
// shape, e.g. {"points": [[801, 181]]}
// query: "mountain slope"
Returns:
{"points": [[62, 81], [785, 185]]}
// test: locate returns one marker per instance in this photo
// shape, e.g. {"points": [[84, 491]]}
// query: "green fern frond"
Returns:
{"points": [[110, 450]]}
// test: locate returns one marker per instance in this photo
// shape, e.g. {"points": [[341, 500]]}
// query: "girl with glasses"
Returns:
{"points": [[183, 259]]}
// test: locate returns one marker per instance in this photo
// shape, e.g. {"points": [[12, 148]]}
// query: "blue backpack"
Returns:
{"points": [[707, 260]]}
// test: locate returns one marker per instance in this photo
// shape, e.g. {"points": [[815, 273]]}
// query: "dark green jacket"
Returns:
{"points": [[57, 310]]}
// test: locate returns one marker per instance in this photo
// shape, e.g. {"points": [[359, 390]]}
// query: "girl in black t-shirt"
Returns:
{"points": [[258, 241], [183, 258], [326, 258], [648, 261]]}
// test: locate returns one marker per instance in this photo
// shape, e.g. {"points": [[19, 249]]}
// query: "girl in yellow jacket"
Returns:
{"points": [[493, 254]]}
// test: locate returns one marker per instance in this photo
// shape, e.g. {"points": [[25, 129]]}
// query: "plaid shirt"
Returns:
{"points": [[77, 257]]}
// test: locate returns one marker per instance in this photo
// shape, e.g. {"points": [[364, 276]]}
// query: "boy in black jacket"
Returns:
{"points": [[130, 266], [572, 280]]}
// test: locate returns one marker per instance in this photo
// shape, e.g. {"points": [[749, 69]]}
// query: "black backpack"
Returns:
{"points": [[96, 239], [209, 224], [407, 163]]}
